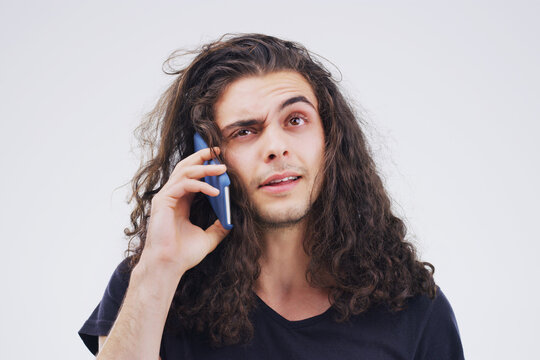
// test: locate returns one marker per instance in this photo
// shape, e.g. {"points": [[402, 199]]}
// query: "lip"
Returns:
{"points": [[279, 176], [280, 188]]}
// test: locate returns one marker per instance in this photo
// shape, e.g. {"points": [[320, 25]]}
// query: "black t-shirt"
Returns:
{"points": [[426, 329]]}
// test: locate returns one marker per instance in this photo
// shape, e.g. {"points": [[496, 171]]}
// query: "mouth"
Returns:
{"points": [[279, 184], [280, 181]]}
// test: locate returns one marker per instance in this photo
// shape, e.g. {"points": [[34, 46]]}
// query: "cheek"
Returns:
{"points": [[317, 157], [315, 142], [237, 164]]}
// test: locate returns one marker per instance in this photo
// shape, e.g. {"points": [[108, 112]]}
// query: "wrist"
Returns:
{"points": [[157, 271], [162, 260]]}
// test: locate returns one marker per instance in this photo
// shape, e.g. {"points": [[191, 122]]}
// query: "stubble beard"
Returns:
{"points": [[288, 218], [282, 220]]}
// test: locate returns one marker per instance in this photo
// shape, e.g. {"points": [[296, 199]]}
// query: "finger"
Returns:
{"points": [[197, 158], [181, 194], [201, 156], [193, 186], [216, 232], [197, 172], [185, 186], [200, 171]]}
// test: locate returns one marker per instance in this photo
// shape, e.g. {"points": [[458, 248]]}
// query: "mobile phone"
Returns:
{"points": [[221, 203]]}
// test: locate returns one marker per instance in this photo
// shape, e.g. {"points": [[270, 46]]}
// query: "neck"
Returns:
{"points": [[283, 263]]}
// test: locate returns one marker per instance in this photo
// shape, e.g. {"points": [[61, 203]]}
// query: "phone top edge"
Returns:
{"points": [[198, 142]]}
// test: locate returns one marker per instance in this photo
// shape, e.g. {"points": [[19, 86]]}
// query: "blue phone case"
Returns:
{"points": [[220, 203]]}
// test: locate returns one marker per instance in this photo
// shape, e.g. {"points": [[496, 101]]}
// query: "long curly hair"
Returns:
{"points": [[356, 245]]}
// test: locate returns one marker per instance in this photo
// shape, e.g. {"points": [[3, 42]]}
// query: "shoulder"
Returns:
{"points": [[102, 318], [123, 270], [119, 281], [425, 329], [422, 312], [437, 331], [417, 313], [427, 307]]}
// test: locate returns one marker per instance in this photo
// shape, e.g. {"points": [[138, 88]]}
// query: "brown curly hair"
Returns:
{"points": [[356, 245]]}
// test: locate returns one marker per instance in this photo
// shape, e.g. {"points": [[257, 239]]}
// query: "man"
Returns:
{"points": [[316, 266]]}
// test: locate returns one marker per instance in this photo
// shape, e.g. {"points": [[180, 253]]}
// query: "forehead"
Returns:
{"points": [[257, 96]]}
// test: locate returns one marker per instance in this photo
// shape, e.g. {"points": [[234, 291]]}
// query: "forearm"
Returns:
{"points": [[173, 245], [137, 331]]}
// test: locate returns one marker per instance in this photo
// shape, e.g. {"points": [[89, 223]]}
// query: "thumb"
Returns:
{"points": [[216, 232]]}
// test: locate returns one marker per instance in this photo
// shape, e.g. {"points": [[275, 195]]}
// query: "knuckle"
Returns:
{"points": [[181, 172]]}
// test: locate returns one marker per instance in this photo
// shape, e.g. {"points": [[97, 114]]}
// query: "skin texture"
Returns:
{"points": [[280, 139], [288, 139]]}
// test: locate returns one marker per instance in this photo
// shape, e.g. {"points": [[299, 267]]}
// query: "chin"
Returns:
{"points": [[281, 218]]}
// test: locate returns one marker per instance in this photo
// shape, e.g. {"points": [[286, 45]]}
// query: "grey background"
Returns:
{"points": [[450, 90]]}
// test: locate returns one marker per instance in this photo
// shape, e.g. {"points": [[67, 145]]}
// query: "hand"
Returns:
{"points": [[172, 240]]}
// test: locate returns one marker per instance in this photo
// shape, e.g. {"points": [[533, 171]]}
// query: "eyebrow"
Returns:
{"points": [[295, 99], [252, 122], [242, 123]]}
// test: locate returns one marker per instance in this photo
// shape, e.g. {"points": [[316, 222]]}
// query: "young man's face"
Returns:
{"points": [[274, 140]]}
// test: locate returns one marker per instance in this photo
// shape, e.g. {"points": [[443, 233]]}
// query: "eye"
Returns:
{"points": [[297, 120], [241, 133]]}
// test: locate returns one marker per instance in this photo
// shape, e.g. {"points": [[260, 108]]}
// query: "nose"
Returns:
{"points": [[275, 144]]}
